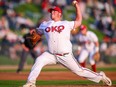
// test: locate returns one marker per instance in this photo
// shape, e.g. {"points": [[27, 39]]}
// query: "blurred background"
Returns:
{"points": [[17, 16]]}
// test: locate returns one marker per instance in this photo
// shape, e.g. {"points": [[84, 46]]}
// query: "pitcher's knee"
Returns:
{"points": [[79, 72]]}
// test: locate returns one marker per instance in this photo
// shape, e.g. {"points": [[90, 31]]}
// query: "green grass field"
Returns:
{"points": [[18, 83], [12, 83]]}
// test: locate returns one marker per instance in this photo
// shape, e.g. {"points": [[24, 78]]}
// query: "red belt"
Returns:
{"points": [[62, 54]]}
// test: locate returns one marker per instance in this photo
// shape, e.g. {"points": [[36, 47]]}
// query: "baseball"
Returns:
{"points": [[74, 2]]}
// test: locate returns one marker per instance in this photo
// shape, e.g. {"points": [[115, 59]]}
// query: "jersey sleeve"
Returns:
{"points": [[42, 25], [94, 37], [41, 28], [39, 31], [70, 24]]}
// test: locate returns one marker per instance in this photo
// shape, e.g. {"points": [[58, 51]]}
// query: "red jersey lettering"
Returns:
{"points": [[60, 28], [55, 28], [47, 29]]}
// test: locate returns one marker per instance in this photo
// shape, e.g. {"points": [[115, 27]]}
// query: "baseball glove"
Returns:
{"points": [[35, 38], [96, 56]]}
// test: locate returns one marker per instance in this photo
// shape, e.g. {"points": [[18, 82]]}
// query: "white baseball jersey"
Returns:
{"points": [[87, 40], [58, 35]]}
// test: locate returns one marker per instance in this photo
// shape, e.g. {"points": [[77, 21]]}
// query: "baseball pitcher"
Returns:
{"points": [[57, 33]]}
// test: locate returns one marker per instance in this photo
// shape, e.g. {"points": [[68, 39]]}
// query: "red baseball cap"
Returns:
{"points": [[55, 8], [83, 27]]}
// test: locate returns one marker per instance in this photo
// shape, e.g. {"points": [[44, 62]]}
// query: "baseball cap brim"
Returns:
{"points": [[55, 8]]}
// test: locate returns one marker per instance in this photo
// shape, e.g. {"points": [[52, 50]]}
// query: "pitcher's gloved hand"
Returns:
{"points": [[35, 37]]}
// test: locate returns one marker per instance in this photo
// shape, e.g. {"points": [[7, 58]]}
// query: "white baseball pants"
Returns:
{"points": [[68, 61]]}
